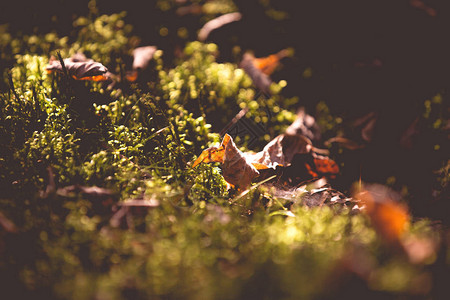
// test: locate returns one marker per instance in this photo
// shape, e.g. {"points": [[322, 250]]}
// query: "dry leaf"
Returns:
{"points": [[218, 22], [7, 224], [268, 64], [142, 57], [80, 70], [281, 150], [344, 142], [236, 169], [259, 69], [285, 154], [366, 124], [260, 80], [424, 7], [388, 216], [304, 124]]}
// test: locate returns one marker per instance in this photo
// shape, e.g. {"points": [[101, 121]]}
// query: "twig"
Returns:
{"points": [[11, 85], [234, 121], [63, 65]]}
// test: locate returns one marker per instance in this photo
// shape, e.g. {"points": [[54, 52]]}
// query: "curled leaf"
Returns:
{"points": [[366, 125], [291, 156], [216, 23], [212, 154], [281, 150], [80, 69], [237, 170]]}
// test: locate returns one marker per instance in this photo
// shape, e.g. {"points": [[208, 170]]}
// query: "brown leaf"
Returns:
{"points": [[7, 224], [216, 23], [260, 80], [324, 165], [424, 7], [366, 124], [281, 150], [389, 217], [142, 57], [293, 153], [259, 69], [407, 138], [236, 168], [344, 142], [193, 9], [268, 64], [305, 125], [80, 70]]}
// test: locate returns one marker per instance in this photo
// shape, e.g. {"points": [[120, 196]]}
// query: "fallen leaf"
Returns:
{"points": [[304, 124], [236, 168], [281, 150], [216, 23], [259, 69], [389, 217], [325, 165], [290, 156], [142, 56], [366, 125], [424, 7], [79, 70], [344, 142], [260, 80], [193, 9], [268, 64], [7, 224]]}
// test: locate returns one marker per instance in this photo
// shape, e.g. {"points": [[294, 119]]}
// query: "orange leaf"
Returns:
{"points": [[209, 155], [326, 165], [269, 63], [237, 170], [389, 217]]}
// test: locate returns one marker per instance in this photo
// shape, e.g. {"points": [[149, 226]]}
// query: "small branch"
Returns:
{"points": [[11, 85], [63, 65]]}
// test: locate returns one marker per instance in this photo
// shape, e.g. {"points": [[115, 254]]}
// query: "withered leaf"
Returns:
{"points": [[281, 150], [259, 69], [260, 80], [7, 224], [216, 23], [237, 170], [389, 217], [306, 125], [344, 142], [366, 125], [284, 154], [80, 70], [268, 64], [142, 57]]}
